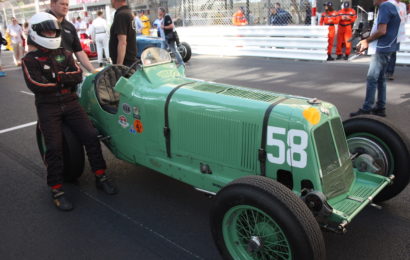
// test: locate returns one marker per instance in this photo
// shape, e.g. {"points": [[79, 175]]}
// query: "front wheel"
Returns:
{"points": [[381, 149], [258, 218], [73, 153]]}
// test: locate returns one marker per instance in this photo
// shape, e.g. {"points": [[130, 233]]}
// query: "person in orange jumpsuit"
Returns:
{"points": [[239, 18], [330, 18], [347, 16]]}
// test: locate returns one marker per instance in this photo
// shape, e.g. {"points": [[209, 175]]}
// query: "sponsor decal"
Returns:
{"points": [[132, 130], [60, 58], [123, 121], [126, 108], [136, 113], [138, 126]]}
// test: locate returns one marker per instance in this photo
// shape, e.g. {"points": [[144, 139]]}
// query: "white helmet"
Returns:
{"points": [[41, 22]]}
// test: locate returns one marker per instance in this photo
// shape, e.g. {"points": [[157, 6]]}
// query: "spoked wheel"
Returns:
{"points": [[381, 149], [248, 231], [73, 153], [258, 218]]}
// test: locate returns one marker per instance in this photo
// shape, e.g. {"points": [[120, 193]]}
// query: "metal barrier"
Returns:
{"points": [[288, 42], [403, 56]]}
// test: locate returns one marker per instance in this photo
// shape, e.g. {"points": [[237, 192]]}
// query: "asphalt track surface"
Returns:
{"points": [[155, 217]]}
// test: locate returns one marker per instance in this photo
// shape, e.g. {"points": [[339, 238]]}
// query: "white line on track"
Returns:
{"points": [[28, 93], [6, 68], [17, 127]]}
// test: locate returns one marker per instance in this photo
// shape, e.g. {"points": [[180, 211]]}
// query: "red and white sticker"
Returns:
{"points": [[123, 121]]}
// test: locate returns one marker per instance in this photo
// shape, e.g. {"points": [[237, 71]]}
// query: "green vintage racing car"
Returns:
{"points": [[279, 167]]}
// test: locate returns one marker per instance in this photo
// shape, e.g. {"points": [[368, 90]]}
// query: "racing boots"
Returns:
{"points": [[379, 112], [339, 57], [330, 58], [60, 200], [106, 184]]}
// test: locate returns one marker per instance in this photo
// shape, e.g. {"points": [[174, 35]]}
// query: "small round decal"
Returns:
{"points": [[123, 121], [312, 115], [126, 108]]}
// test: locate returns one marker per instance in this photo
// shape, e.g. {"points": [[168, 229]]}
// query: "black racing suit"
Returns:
{"points": [[52, 75]]}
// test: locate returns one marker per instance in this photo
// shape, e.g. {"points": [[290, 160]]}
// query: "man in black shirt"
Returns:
{"points": [[69, 37], [170, 34], [123, 45]]}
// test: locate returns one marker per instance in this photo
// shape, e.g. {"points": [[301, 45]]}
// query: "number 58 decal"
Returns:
{"points": [[287, 152]]}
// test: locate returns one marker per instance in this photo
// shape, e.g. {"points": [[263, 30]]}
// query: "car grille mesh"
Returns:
{"points": [[235, 92]]}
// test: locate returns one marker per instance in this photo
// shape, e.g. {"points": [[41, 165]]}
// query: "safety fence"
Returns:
{"points": [[287, 42], [256, 12]]}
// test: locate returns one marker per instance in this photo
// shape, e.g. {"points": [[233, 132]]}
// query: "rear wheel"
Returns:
{"points": [[379, 148], [258, 218], [185, 50], [73, 153]]}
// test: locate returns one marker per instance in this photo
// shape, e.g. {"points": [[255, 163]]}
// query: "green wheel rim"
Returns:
{"points": [[250, 233], [385, 148]]}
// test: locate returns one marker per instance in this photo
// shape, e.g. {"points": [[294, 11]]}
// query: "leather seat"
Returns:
{"points": [[105, 82]]}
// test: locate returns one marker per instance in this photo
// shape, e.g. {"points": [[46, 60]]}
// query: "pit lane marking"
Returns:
{"points": [[11, 68], [28, 93], [17, 127]]}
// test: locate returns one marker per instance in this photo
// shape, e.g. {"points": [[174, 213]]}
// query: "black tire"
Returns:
{"points": [[372, 133], [185, 50], [73, 153], [298, 224]]}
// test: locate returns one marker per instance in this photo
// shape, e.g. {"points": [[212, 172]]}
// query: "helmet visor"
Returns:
{"points": [[49, 25]]}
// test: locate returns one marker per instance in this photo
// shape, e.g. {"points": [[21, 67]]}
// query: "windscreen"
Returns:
{"points": [[153, 56], [326, 149]]}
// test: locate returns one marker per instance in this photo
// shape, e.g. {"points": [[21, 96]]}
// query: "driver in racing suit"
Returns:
{"points": [[52, 75]]}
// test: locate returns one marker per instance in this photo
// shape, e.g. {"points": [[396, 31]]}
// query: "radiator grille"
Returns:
{"points": [[249, 146], [261, 96], [206, 136], [235, 92]]}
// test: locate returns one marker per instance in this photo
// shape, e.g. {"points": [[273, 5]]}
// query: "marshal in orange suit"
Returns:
{"points": [[330, 18], [347, 16], [239, 17]]}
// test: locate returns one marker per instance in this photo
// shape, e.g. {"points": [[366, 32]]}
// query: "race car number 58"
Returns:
{"points": [[293, 152]]}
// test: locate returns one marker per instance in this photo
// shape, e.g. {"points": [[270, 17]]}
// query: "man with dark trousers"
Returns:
{"points": [[123, 46], [69, 36], [52, 75]]}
